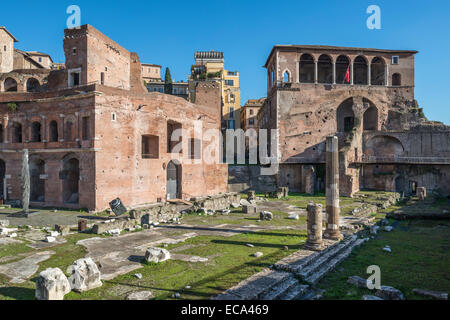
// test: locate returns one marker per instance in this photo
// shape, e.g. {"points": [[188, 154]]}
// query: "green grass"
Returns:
{"points": [[419, 259], [230, 262]]}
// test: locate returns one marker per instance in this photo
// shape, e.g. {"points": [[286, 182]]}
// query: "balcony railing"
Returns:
{"points": [[404, 159]]}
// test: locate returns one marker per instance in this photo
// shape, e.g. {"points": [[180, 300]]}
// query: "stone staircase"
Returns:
{"points": [[312, 268], [294, 277]]}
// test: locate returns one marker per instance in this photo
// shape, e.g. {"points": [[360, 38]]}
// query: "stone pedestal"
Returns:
{"points": [[332, 189], [314, 227]]}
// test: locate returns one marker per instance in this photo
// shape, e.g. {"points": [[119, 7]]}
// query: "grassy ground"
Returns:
{"points": [[419, 259]]}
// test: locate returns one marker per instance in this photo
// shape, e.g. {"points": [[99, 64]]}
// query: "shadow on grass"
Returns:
{"points": [[18, 293], [256, 244], [228, 230]]}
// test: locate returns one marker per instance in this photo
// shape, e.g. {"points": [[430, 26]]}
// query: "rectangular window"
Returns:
{"points": [[4, 48], [102, 78], [85, 127], [173, 135], [229, 83], [40, 59], [195, 147], [251, 122], [251, 112], [150, 147], [395, 59]]}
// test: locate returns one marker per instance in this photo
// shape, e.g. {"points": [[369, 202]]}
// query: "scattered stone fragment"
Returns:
{"points": [[12, 235], [369, 297], [388, 228], [4, 223], [138, 275], [85, 275], [52, 284], [114, 231], [249, 245], [387, 249], [249, 209], [50, 239], [389, 293], [433, 294], [286, 248], [146, 226], [374, 229], [140, 295], [176, 295], [257, 254], [54, 233], [293, 216], [244, 202], [358, 281], [63, 230], [235, 205], [187, 287], [266, 215], [157, 255]]}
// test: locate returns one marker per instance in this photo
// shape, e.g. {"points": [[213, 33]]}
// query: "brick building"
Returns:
{"points": [[366, 98], [95, 133]]}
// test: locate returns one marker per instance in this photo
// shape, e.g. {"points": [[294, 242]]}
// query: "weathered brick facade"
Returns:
{"points": [[95, 133], [366, 98]]}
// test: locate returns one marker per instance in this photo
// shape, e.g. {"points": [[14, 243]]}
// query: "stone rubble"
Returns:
{"points": [[266, 215], [85, 275], [433, 294], [52, 284], [157, 255], [389, 293]]}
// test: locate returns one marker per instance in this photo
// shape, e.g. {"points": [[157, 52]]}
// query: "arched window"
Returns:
{"points": [[377, 71], [68, 130], [286, 77], [10, 85], [396, 79], [32, 85], [360, 70], [345, 116], [342, 65], [53, 128], [36, 132], [325, 69], [307, 68], [17, 132], [370, 119]]}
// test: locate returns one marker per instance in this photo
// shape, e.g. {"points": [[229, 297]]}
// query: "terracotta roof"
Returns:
{"points": [[4, 28], [325, 48]]}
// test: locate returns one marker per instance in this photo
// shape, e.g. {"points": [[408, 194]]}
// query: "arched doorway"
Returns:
{"points": [[37, 185], [32, 85], [325, 69], [71, 177], [370, 121], [345, 116], [307, 67], [360, 68], [2, 179], [342, 65], [173, 189], [378, 68], [10, 85]]}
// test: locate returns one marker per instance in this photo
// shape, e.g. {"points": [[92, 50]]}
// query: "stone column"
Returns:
{"points": [[387, 75], [314, 227], [316, 72], [25, 179], [332, 189], [369, 74], [309, 178], [334, 72], [352, 73]]}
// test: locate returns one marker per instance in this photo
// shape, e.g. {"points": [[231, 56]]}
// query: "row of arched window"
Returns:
{"points": [[360, 72], [37, 132], [10, 85]]}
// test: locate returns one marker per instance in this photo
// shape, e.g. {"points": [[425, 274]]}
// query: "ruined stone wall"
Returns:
{"points": [[22, 76], [95, 53], [243, 178], [6, 57]]}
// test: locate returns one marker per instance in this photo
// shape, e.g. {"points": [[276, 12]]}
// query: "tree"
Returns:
{"points": [[168, 82]]}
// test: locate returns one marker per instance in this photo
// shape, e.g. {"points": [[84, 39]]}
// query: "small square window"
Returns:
{"points": [[113, 117], [395, 59]]}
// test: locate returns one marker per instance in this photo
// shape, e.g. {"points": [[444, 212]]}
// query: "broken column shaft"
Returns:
{"points": [[332, 189], [314, 227]]}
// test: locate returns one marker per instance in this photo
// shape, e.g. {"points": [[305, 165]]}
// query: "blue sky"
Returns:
{"points": [[169, 32]]}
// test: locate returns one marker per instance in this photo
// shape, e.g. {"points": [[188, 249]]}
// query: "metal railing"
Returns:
{"points": [[404, 159]]}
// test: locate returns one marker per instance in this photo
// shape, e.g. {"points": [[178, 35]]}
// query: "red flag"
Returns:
{"points": [[347, 75]]}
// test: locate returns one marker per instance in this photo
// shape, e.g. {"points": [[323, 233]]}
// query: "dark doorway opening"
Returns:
{"points": [[173, 181]]}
